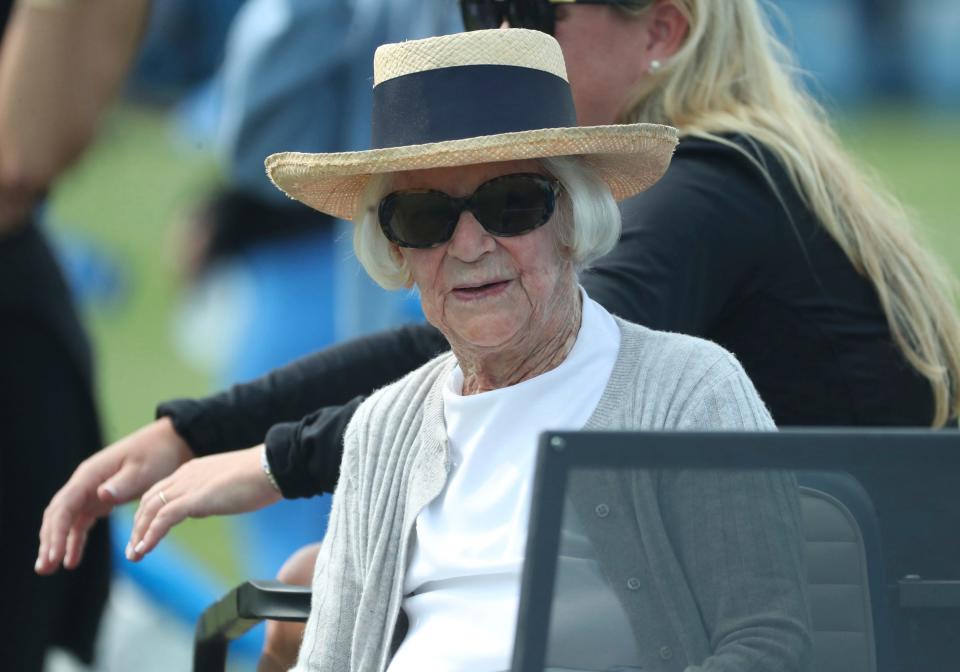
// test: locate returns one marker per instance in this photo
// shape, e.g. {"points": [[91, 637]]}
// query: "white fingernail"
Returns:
{"points": [[112, 490], [37, 565], [139, 547], [128, 551], [51, 555]]}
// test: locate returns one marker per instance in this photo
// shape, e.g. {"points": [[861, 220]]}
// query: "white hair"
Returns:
{"points": [[586, 223]]}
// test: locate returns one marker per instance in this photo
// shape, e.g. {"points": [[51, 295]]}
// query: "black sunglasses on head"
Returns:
{"points": [[533, 14], [509, 205]]}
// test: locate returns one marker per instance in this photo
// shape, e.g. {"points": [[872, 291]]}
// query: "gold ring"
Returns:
{"points": [[162, 498]]}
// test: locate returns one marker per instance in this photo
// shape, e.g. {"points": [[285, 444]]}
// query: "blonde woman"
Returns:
{"points": [[763, 236]]}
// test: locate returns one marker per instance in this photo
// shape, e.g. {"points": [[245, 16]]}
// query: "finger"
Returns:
{"points": [[42, 565], [122, 487], [150, 501], [150, 505], [53, 534], [168, 516], [76, 540], [55, 523]]}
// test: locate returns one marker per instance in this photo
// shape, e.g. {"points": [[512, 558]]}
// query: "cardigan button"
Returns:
{"points": [[602, 511], [666, 653], [633, 583]]}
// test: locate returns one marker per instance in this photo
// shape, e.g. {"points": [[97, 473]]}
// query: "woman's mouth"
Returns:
{"points": [[481, 291]]}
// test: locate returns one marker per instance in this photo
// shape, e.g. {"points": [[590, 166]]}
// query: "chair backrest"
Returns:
{"points": [[848, 601]]}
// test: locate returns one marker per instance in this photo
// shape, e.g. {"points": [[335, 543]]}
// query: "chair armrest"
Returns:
{"points": [[919, 594], [238, 611]]}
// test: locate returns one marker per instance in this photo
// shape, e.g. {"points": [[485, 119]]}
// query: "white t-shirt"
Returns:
{"points": [[462, 584]]}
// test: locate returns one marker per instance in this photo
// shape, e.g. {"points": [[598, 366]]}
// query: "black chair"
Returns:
{"points": [[851, 602]]}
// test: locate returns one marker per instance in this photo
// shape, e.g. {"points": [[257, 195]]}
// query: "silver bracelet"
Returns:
{"points": [[266, 468]]}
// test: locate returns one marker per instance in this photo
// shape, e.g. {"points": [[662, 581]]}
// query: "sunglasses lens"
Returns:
{"points": [[418, 218], [505, 206], [514, 204], [481, 14]]}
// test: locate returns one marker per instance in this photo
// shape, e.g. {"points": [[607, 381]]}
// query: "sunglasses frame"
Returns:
{"points": [[551, 189], [535, 14]]}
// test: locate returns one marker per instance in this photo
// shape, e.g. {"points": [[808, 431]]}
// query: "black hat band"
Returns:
{"points": [[468, 101]]}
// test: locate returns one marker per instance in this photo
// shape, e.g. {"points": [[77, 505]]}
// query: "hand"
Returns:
{"points": [[116, 475], [208, 486]]}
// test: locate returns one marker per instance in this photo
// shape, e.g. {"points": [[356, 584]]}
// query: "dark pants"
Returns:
{"points": [[48, 425]]}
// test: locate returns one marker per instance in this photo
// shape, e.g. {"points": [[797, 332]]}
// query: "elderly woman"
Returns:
{"points": [[429, 518], [483, 194]]}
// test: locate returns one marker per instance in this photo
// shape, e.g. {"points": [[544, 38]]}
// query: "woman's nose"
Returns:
{"points": [[470, 240]]}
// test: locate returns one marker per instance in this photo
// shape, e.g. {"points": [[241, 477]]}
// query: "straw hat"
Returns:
{"points": [[468, 98]]}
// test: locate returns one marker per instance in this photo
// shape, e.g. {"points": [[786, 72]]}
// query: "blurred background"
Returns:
{"points": [[170, 298]]}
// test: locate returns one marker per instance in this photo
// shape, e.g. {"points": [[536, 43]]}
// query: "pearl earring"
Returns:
{"points": [[655, 65]]}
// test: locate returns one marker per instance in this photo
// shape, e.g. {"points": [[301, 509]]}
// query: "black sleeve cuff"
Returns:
{"points": [[202, 437], [279, 443], [305, 456]]}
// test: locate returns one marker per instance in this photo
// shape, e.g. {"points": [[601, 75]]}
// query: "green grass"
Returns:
{"points": [[130, 187], [915, 155]]}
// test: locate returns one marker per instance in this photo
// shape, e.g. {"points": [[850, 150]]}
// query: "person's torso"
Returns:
{"points": [[807, 327], [462, 583], [402, 462]]}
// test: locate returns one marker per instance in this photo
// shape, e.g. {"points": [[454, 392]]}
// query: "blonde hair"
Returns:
{"points": [[586, 222], [732, 75]]}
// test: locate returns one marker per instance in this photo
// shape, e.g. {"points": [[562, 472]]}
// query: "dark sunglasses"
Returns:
{"points": [[509, 205], [533, 14]]}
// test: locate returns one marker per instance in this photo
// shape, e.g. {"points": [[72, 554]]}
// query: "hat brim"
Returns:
{"points": [[629, 158]]}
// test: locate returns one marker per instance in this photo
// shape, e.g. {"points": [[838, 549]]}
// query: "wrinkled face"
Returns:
{"points": [[604, 52], [479, 290]]}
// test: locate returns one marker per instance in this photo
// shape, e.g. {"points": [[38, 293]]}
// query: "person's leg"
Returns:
{"points": [[46, 415], [283, 639], [49, 424]]}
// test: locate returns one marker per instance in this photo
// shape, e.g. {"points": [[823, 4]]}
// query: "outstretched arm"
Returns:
{"points": [[241, 416], [129, 468]]}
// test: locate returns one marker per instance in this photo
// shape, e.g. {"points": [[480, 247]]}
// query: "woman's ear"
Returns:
{"points": [[667, 28], [396, 252]]}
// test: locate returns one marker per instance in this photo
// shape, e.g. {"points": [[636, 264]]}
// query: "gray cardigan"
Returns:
{"points": [[719, 554]]}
